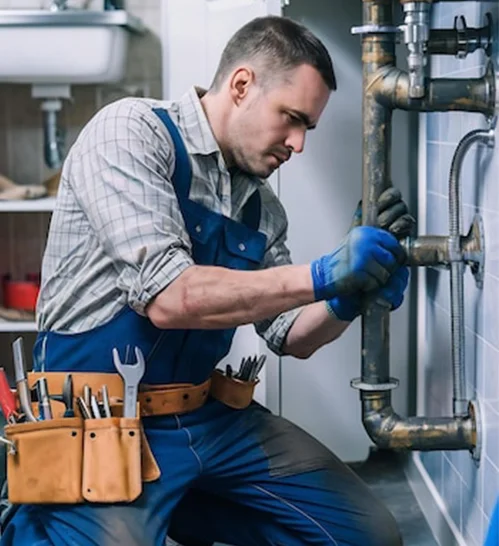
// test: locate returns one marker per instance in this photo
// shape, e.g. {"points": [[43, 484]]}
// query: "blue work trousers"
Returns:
{"points": [[241, 477]]}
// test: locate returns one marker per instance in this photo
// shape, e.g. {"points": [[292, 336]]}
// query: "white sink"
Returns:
{"points": [[64, 47]]}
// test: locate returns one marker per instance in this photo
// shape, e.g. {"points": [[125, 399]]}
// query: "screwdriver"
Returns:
{"points": [[7, 399]]}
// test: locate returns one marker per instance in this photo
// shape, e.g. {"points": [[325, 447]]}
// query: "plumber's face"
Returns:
{"points": [[271, 120]]}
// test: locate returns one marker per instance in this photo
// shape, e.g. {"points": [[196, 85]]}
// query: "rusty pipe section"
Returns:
{"points": [[391, 89], [435, 250], [427, 250], [388, 430], [378, 53], [386, 88]]}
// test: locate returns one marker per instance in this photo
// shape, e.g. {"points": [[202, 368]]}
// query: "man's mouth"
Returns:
{"points": [[281, 157]]}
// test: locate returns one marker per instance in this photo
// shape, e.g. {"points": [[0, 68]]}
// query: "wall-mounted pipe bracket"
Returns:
{"points": [[473, 250], [476, 418]]}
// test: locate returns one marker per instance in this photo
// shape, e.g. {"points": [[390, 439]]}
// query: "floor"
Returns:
{"points": [[383, 473]]}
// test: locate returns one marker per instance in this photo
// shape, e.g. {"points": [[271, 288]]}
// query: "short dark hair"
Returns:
{"points": [[282, 43]]}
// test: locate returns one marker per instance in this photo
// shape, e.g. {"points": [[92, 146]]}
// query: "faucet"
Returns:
{"points": [[58, 5]]}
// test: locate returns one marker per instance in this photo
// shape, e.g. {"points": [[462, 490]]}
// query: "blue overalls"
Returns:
{"points": [[241, 477]]}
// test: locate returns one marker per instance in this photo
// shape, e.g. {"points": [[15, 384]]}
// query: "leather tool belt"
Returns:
{"points": [[73, 460], [158, 399]]}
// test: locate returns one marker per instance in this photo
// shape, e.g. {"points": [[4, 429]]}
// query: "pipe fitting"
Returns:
{"points": [[390, 87], [416, 35], [53, 144], [390, 431]]}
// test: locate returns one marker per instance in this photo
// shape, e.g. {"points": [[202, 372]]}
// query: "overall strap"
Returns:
{"points": [[182, 174], [252, 211]]}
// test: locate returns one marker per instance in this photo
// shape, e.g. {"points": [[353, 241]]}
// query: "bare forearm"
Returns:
{"points": [[207, 297], [313, 328]]}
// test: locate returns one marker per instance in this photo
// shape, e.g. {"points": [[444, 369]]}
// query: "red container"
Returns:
{"points": [[21, 294]]}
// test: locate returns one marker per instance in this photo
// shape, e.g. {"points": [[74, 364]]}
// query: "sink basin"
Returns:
{"points": [[64, 47]]}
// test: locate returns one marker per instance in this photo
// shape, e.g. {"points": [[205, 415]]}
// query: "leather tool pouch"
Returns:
{"points": [[232, 392], [112, 460], [47, 464], [72, 460]]}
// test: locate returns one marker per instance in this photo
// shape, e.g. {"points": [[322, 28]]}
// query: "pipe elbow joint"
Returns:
{"points": [[380, 425], [387, 84]]}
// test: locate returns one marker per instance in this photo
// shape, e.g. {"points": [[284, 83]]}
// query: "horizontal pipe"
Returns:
{"points": [[390, 431], [391, 89], [460, 42], [428, 250]]}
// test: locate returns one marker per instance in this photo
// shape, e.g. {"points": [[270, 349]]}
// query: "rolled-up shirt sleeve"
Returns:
{"points": [[274, 330], [121, 178]]}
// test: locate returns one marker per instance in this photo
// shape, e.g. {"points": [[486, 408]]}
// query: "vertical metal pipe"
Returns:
{"points": [[378, 50]]}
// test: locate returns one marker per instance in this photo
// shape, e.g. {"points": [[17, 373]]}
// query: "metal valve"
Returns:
{"points": [[416, 35]]}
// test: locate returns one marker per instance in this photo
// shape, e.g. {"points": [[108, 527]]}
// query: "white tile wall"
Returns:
{"points": [[470, 492], [23, 235]]}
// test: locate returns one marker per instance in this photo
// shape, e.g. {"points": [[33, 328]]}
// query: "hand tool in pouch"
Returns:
{"points": [[250, 367], [84, 409], [87, 395], [21, 382], [66, 397], [7, 399], [95, 407], [131, 374], [105, 402], [43, 399]]}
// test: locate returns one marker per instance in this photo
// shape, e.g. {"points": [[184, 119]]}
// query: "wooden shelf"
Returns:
{"points": [[17, 326], [45, 204]]}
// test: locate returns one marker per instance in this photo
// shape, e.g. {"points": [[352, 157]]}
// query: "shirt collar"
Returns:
{"points": [[198, 136], [197, 132]]}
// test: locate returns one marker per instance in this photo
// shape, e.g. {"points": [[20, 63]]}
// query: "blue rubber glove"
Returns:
{"points": [[349, 307], [364, 261]]}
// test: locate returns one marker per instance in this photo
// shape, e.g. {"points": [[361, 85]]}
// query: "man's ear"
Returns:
{"points": [[241, 80]]}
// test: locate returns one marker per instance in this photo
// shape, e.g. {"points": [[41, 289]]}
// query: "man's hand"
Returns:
{"points": [[393, 217], [392, 214], [364, 261], [349, 307]]}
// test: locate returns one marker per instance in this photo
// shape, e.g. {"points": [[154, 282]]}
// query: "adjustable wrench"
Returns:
{"points": [[131, 374]]}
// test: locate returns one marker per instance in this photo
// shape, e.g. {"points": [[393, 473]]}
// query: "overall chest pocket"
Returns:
{"points": [[204, 228], [243, 248]]}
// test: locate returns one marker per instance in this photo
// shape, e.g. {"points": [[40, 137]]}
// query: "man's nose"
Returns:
{"points": [[296, 141]]}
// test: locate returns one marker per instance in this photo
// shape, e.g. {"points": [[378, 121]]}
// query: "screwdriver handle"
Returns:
{"points": [[7, 399]]}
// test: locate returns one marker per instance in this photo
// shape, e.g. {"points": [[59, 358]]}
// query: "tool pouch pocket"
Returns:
{"points": [[112, 460], [232, 392], [46, 466]]}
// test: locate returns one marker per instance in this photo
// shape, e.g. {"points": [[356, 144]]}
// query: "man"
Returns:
{"points": [[166, 237]]}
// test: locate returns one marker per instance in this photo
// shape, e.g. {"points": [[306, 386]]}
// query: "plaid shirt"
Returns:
{"points": [[117, 236]]}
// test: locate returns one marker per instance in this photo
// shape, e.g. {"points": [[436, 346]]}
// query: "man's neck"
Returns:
{"points": [[217, 118]]}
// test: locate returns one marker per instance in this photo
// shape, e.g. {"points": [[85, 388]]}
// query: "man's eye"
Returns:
{"points": [[292, 118]]}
